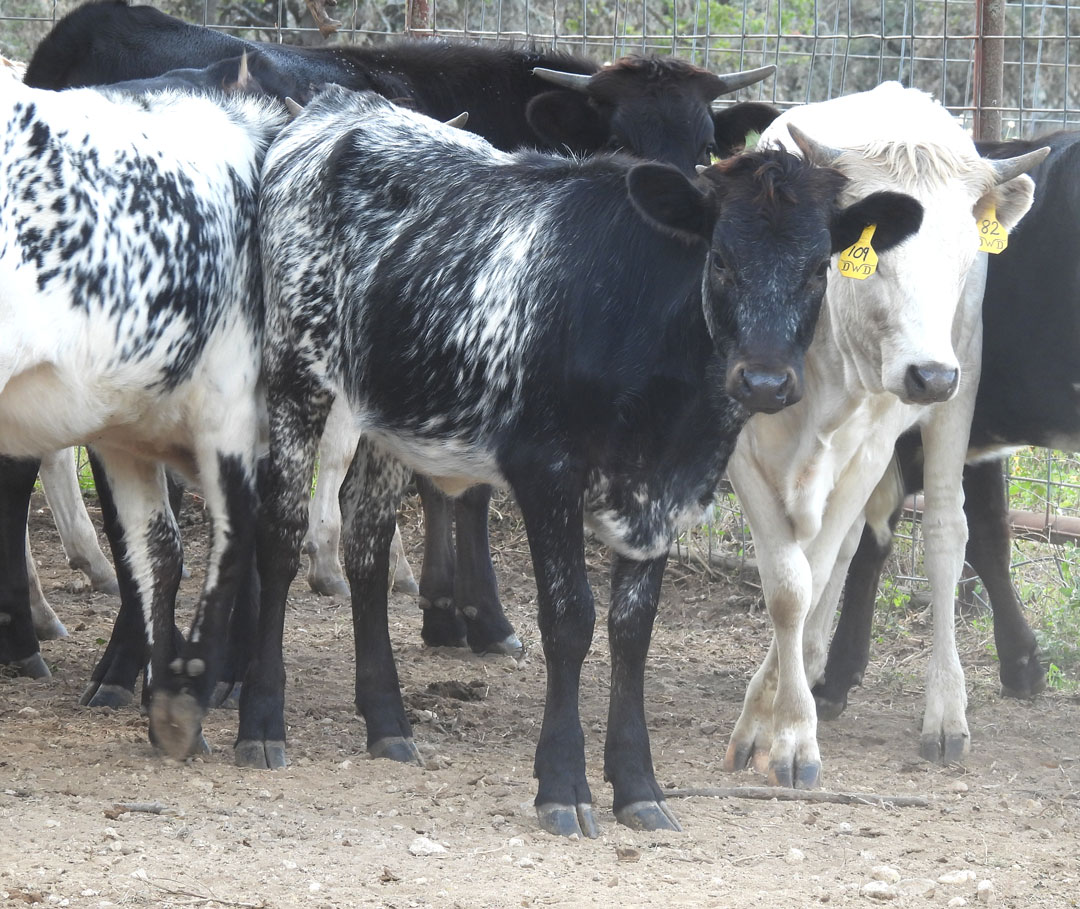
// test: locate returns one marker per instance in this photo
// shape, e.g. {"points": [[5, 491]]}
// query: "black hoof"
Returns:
{"points": [[1022, 680], [797, 776], [176, 724], [648, 816], [442, 626], [566, 820], [510, 646], [32, 667], [260, 755], [943, 749], [98, 695], [226, 695], [828, 707], [396, 748]]}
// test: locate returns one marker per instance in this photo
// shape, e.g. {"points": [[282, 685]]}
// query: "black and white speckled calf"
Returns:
{"points": [[131, 318], [591, 334]]}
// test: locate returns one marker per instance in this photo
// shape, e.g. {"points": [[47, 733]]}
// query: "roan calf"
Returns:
{"points": [[591, 334]]}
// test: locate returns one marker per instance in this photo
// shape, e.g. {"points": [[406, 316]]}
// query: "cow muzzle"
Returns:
{"points": [[930, 383], [763, 389]]}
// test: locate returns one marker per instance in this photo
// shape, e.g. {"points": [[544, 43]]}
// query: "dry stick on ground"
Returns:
{"points": [[802, 795]]}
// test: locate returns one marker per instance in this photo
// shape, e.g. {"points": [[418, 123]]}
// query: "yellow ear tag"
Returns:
{"points": [[859, 261], [993, 238]]}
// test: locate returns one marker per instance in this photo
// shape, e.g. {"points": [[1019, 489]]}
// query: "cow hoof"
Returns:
{"points": [[226, 695], [32, 667], [396, 748], [948, 748], [786, 775], [106, 584], [738, 757], [260, 755], [52, 630], [115, 696], [648, 816], [176, 724], [510, 646], [442, 626], [329, 587], [566, 820], [407, 585], [1022, 681], [829, 708]]}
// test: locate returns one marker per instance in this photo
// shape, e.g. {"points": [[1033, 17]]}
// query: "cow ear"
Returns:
{"points": [[732, 124], [896, 215], [1010, 200], [567, 118], [668, 201]]}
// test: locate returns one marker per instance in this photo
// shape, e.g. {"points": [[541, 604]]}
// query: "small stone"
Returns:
{"points": [[878, 890], [289, 865], [917, 886], [956, 901], [794, 856], [515, 841], [110, 833], [708, 728], [345, 765], [28, 711], [627, 853], [844, 828], [423, 846], [525, 862], [985, 891], [885, 873], [314, 887], [140, 874], [498, 820], [957, 877]]}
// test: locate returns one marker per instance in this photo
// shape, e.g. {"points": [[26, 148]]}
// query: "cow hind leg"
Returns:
{"points": [[47, 626], [639, 802], [442, 625], [369, 502], [323, 539]]}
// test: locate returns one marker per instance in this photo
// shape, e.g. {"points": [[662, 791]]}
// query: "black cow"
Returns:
{"points": [[571, 329], [1028, 395], [652, 107]]}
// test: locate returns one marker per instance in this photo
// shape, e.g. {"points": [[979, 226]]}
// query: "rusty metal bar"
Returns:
{"points": [[989, 68], [1024, 525]]}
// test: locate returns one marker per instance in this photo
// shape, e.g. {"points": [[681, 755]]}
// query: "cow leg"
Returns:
{"points": [[240, 641], [369, 503], [1023, 674], [47, 627], [59, 480], [323, 539], [639, 802], [18, 643], [297, 418], [476, 591], [551, 504], [442, 626]]}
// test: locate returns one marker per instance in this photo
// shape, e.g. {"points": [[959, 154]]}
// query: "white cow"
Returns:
{"points": [[899, 348]]}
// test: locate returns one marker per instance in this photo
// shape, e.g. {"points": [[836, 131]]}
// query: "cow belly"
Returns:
{"points": [[453, 464]]}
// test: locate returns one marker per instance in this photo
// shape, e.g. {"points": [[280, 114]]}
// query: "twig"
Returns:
{"points": [[802, 795], [198, 897], [137, 807]]}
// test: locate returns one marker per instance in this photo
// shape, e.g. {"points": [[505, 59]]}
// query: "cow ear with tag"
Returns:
{"points": [[668, 201], [566, 118], [896, 215], [1009, 201]]}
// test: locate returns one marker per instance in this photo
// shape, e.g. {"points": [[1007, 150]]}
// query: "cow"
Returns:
{"points": [[1027, 396], [893, 349], [654, 107], [590, 333], [132, 318]]}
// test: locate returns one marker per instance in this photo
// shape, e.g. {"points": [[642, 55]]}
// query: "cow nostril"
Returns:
{"points": [[930, 383]]}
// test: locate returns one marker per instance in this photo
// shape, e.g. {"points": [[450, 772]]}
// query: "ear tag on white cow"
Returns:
{"points": [[859, 261], [993, 238]]}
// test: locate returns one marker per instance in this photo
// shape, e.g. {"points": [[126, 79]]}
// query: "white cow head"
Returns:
{"points": [[898, 324]]}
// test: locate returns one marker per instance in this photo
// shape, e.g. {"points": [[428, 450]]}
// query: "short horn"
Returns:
{"points": [[1007, 168], [293, 108], [814, 152], [701, 168], [732, 82], [575, 81], [459, 121], [243, 76]]}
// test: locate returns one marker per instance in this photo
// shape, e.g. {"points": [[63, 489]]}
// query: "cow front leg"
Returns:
{"points": [[551, 504], [369, 501], [635, 591], [1023, 674], [18, 642], [297, 415], [47, 625], [476, 591]]}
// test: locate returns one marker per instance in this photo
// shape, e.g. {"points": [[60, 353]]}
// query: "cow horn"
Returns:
{"points": [[243, 76], [701, 168], [293, 108], [459, 121], [1007, 168], [814, 152], [732, 82], [576, 81]]}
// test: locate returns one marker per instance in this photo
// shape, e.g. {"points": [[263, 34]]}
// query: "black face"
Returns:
{"points": [[677, 130]]}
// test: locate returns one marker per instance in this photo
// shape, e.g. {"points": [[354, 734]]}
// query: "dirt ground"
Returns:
{"points": [[337, 829]]}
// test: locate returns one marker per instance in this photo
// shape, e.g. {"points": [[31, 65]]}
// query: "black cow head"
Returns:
{"points": [[772, 223], [656, 108]]}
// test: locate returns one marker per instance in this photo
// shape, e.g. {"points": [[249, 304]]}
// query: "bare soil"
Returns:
{"points": [[338, 829]]}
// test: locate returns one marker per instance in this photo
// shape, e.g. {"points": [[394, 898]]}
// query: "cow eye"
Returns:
{"points": [[822, 269], [719, 266]]}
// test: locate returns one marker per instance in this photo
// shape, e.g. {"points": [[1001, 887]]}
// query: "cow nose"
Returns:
{"points": [[930, 383], [764, 390]]}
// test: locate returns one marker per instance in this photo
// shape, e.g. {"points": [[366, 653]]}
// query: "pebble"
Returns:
{"points": [[957, 877], [956, 901], [627, 853], [844, 828], [878, 890], [794, 856], [515, 841], [885, 873], [960, 786], [985, 891], [423, 846], [525, 862], [28, 711], [917, 886]]}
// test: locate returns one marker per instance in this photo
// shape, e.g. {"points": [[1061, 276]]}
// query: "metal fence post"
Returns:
{"points": [[989, 68], [417, 17]]}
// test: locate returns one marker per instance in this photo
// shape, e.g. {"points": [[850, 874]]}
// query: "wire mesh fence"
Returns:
{"points": [[822, 48]]}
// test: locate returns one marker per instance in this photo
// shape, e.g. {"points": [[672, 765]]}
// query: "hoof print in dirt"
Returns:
{"points": [[115, 696], [396, 748], [176, 724], [260, 755], [648, 816], [566, 820]]}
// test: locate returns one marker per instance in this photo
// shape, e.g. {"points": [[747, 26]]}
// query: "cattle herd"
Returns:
{"points": [[591, 294]]}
